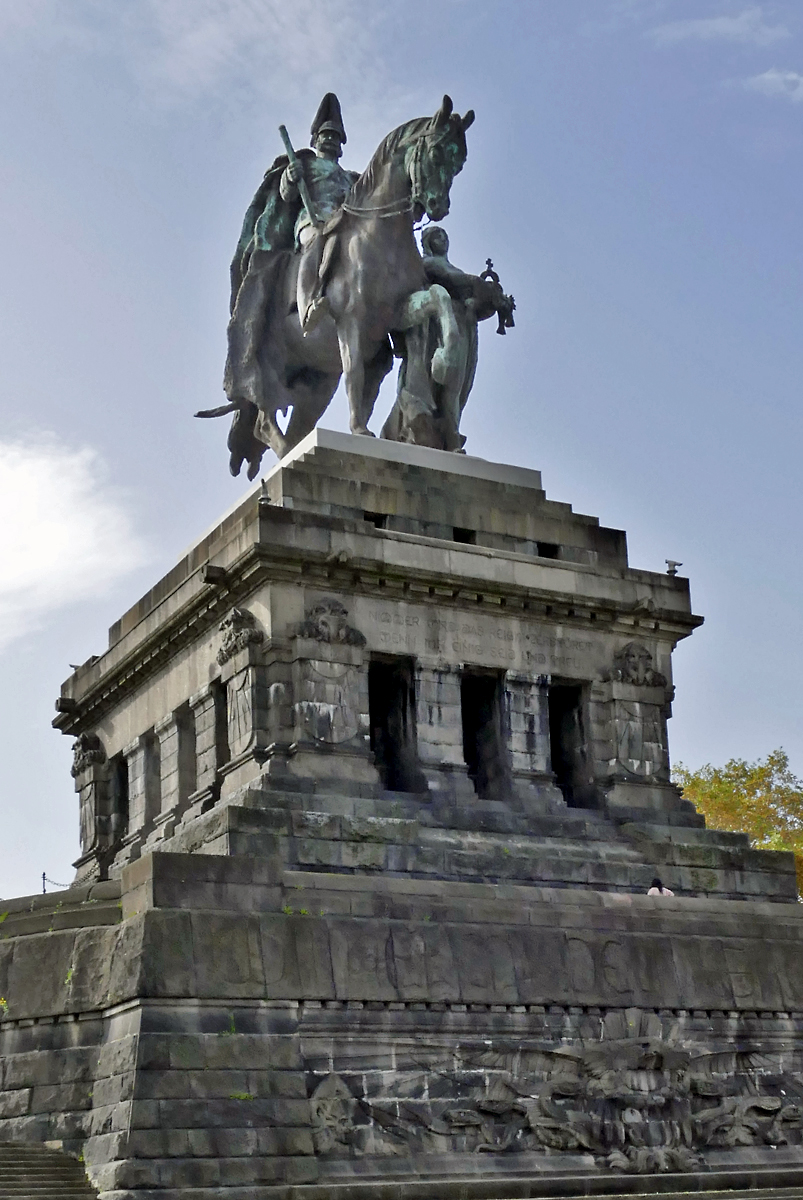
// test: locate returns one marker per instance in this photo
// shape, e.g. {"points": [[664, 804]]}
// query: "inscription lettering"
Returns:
{"points": [[506, 643]]}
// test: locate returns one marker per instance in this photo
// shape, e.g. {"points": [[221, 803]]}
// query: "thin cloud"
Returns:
{"points": [[66, 533], [788, 85], [186, 50], [748, 28], [195, 45]]}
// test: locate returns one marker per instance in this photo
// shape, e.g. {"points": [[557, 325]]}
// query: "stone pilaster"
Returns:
{"points": [[142, 764], [90, 771], [527, 721], [330, 710], [177, 771], [439, 726], [208, 735], [244, 676], [629, 729]]}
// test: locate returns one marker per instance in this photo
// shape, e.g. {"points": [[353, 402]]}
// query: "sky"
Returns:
{"points": [[634, 171]]}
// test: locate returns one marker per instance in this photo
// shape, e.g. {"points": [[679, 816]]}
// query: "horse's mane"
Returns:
{"points": [[409, 132]]}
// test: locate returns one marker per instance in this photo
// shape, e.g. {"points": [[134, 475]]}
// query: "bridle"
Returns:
{"points": [[398, 208]]}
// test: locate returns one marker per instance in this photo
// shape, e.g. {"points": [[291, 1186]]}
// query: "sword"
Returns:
{"points": [[303, 190]]}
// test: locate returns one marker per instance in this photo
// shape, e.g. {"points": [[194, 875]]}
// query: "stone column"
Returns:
{"points": [[527, 711], [439, 726]]}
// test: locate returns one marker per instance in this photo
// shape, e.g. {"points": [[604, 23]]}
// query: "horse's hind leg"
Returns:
{"points": [[309, 404]]}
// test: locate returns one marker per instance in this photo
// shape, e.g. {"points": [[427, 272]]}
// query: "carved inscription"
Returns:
{"points": [[506, 643]]}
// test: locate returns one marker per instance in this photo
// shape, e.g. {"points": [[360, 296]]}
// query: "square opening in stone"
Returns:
{"points": [[377, 519]]}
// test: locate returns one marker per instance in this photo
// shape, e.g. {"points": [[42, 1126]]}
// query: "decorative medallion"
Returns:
{"points": [[326, 622]]}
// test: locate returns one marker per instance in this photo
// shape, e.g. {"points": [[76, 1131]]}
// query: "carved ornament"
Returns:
{"points": [[633, 664], [326, 622], [87, 751], [239, 629], [632, 1093]]}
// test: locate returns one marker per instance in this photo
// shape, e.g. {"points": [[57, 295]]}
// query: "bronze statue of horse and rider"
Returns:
{"points": [[327, 278]]}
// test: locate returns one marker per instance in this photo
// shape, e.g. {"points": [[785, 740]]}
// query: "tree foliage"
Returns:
{"points": [[762, 799]]}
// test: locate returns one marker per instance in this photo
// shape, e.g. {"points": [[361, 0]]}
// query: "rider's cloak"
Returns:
{"points": [[269, 222]]}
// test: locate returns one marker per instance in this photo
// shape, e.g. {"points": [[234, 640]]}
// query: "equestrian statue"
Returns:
{"points": [[327, 280]]}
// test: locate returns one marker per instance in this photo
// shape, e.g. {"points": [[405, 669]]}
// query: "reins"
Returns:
{"points": [[397, 209]]}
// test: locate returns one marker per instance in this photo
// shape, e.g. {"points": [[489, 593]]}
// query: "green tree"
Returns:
{"points": [[762, 799]]}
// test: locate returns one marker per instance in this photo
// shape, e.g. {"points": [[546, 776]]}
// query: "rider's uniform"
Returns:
{"points": [[328, 186]]}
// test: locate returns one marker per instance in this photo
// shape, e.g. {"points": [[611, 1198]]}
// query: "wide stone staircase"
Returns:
{"points": [[37, 1173], [399, 833]]}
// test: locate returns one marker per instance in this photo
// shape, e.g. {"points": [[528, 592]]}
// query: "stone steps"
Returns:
{"points": [[38, 1173], [345, 830], [322, 841]]}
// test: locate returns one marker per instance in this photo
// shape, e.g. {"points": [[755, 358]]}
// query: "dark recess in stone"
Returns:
{"points": [[484, 747], [391, 701], [378, 520], [567, 741]]}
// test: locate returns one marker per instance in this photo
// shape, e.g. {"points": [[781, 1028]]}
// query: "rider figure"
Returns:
{"points": [[276, 224], [326, 180]]}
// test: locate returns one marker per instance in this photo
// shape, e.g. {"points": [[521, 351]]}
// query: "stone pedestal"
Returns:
{"points": [[371, 793]]}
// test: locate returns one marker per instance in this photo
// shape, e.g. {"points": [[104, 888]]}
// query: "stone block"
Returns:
{"points": [[38, 978], [228, 956], [16, 1103], [363, 855], [168, 965], [251, 1052]]}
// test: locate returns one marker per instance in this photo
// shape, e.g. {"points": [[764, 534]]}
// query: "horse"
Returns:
{"points": [[333, 309]]}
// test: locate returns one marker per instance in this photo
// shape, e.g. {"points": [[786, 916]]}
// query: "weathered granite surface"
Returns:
{"points": [[372, 786]]}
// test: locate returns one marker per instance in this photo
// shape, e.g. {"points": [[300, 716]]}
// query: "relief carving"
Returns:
{"points": [[330, 700], [239, 629], [640, 742], [326, 622], [332, 1109], [633, 664], [87, 750], [632, 1093]]}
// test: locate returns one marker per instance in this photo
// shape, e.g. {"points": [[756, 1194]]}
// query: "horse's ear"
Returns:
{"points": [[468, 119], [444, 112]]}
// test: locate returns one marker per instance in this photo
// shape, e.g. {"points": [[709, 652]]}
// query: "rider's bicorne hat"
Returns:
{"points": [[328, 116]]}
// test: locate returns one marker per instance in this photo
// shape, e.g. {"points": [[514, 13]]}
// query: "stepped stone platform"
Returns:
{"points": [[372, 786], [39, 1173]]}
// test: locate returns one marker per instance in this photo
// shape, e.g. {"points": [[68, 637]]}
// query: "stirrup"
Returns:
{"points": [[316, 310]]}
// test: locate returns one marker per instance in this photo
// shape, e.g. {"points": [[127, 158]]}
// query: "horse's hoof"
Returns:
{"points": [[362, 431]]}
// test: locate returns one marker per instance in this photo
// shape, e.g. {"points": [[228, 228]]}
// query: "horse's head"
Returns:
{"points": [[434, 158]]}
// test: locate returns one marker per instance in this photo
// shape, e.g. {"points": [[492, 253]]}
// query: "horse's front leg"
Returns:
{"points": [[351, 356], [435, 302]]}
